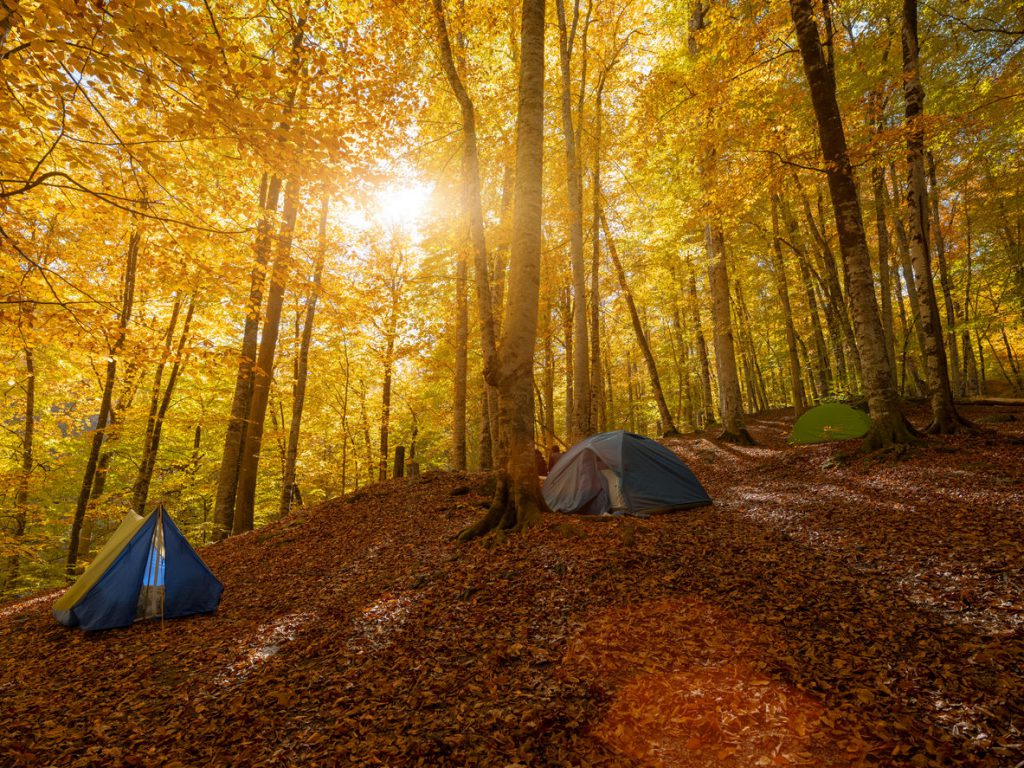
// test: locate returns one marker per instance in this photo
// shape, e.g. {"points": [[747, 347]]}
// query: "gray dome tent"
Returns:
{"points": [[621, 473]]}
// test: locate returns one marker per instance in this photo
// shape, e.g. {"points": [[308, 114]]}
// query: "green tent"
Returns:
{"points": [[830, 421]]}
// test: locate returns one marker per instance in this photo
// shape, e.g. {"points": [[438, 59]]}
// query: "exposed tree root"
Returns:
{"points": [[671, 433], [894, 434], [950, 424], [737, 438], [515, 507]]}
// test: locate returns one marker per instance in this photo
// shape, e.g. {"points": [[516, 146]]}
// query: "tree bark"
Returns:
{"points": [[517, 500], [124, 316], [945, 419], [289, 488], [461, 364], [668, 424], [707, 406], [158, 411], [947, 291], [245, 496], [782, 288], [889, 427], [579, 422], [21, 492], [227, 477]]}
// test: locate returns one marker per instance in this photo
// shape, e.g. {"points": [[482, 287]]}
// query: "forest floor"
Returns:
{"points": [[829, 609]]}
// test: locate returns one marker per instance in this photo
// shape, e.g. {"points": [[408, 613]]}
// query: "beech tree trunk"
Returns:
{"points": [[21, 492], [730, 400], [707, 406], [472, 206], [227, 477], [782, 288], [668, 425], [889, 427], [947, 291], [158, 410], [461, 364], [124, 316], [579, 421], [884, 279], [517, 500], [945, 419], [289, 488], [598, 412], [245, 496]]}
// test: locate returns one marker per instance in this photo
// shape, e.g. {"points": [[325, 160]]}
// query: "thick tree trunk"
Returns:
{"points": [[579, 421], [889, 426], [245, 496], [598, 414], [227, 477], [782, 288], [289, 488], [21, 491], [668, 425], [158, 410], [945, 419], [124, 316], [517, 501]]}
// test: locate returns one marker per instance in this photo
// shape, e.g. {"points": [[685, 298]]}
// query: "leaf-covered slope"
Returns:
{"points": [[825, 611]]}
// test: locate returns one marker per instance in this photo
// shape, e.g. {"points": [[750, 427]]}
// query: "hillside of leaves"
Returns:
{"points": [[829, 609]]}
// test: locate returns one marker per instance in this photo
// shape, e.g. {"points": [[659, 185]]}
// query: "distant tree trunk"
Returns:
{"points": [[567, 313], [730, 401], [461, 364], [707, 406], [945, 419], [517, 499], [289, 488], [947, 292], [124, 316], [889, 427], [598, 414], [579, 422], [245, 497], [782, 288], [227, 477], [970, 374], [21, 491], [548, 385], [906, 264], [668, 424], [822, 367], [884, 279], [158, 411], [486, 449], [385, 408], [473, 210]]}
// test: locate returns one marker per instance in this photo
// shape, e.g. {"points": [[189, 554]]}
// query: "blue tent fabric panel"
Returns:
{"points": [[113, 600], [652, 478], [189, 585]]}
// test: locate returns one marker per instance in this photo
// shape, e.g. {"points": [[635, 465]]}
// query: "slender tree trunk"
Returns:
{"points": [[598, 415], [517, 501], [289, 488], [579, 421], [124, 316], [782, 288], [909, 278], [668, 424], [21, 492], [245, 497], [707, 406], [151, 446], [227, 477], [730, 402], [884, 279], [889, 426], [970, 375], [461, 364], [944, 281], [945, 419], [473, 210]]}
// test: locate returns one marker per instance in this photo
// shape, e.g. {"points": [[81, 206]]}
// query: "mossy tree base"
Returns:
{"points": [[892, 433]]}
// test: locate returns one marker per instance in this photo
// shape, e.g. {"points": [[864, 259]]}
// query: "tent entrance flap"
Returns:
{"points": [[615, 496], [151, 594]]}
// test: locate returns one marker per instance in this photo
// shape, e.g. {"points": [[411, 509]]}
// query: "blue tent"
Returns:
{"points": [[147, 570], [621, 473]]}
